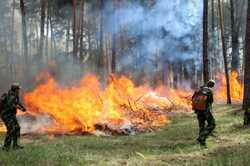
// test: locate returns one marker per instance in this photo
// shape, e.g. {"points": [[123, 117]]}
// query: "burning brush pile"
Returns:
{"points": [[120, 108]]}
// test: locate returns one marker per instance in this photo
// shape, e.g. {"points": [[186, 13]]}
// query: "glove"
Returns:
{"points": [[24, 109]]}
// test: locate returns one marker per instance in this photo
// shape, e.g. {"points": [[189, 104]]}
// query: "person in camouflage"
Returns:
{"points": [[8, 116], [206, 116]]}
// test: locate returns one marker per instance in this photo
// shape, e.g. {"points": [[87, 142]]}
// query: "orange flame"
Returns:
{"points": [[83, 108], [79, 109], [236, 88]]}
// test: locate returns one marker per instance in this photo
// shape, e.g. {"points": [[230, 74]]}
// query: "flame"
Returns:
{"points": [[2, 128], [79, 109], [236, 88], [120, 106]]}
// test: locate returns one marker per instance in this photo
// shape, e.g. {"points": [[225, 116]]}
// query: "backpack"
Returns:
{"points": [[3, 100], [199, 100]]}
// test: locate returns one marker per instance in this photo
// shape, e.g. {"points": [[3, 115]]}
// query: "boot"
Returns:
{"points": [[5, 148], [15, 144], [7, 144], [202, 142], [17, 147]]}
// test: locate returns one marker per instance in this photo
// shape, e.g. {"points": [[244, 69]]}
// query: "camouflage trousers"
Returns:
{"points": [[205, 129], [13, 130]]}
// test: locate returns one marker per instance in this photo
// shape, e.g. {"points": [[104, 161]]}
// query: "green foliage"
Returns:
{"points": [[172, 145]]}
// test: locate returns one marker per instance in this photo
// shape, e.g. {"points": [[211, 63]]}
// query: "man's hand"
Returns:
{"points": [[21, 108], [24, 109]]}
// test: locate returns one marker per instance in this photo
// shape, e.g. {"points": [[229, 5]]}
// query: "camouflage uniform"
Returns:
{"points": [[206, 116], [8, 116]]}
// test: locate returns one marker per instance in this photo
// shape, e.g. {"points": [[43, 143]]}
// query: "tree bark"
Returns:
{"points": [[42, 3], [53, 46], [81, 30], [224, 53], [24, 32], [113, 54], [12, 26], [13, 43], [246, 99], [101, 55], [205, 42], [47, 31], [214, 43], [235, 39], [67, 37], [74, 29]]}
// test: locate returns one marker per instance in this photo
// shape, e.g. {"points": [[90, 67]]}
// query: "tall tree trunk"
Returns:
{"points": [[113, 57], [12, 26], [213, 44], [235, 39], [42, 3], [74, 29], [246, 100], [205, 42], [47, 31], [67, 37], [92, 58], [12, 44], [52, 40], [113, 53], [101, 55], [224, 52], [24, 32], [81, 29]]}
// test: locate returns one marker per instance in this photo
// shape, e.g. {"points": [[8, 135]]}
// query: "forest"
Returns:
{"points": [[95, 70], [118, 37]]}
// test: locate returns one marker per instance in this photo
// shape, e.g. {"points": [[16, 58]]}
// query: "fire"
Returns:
{"points": [[86, 107], [236, 88], [2, 127], [119, 108]]}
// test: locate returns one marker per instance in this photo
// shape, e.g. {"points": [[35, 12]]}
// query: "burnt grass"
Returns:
{"points": [[173, 144]]}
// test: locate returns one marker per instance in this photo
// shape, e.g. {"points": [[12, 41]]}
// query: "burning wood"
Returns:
{"points": [[120, 108]]}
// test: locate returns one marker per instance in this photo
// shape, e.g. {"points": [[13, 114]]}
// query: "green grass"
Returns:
{"points": [[173, 144]]}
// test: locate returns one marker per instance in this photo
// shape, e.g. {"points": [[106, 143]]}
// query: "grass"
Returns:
{"points": [[173, 144]]}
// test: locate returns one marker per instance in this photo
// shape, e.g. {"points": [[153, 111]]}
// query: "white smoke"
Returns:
{"points": [[173, 27], [34, 124]]}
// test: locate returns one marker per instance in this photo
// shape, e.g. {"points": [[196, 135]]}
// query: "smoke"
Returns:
{"points": [[163, 30], [173, 28], [30, 124]]}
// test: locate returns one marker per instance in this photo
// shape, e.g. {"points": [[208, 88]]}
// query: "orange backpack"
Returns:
{"points": [[199, 100]]}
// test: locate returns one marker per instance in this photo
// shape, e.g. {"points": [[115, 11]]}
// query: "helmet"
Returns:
{"points": [[211, 83], [15, 86]]}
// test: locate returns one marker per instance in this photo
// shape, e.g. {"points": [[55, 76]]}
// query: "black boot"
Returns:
{"points": [[5, 148], [15, 144], [16, 147], [202, 142]]}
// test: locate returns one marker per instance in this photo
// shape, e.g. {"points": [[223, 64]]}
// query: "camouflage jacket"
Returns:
{"points": [[10, 107], [210, 98]]}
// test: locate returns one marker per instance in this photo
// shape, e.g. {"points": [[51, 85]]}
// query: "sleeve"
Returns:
{"points": [[11, 102], [210, 97], [20, 104]]}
